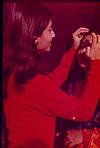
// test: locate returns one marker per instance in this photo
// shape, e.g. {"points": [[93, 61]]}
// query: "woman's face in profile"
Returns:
{"points": [[45, 39]]}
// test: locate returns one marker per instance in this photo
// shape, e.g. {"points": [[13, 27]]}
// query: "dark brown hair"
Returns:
{"points": [[24, 23]]}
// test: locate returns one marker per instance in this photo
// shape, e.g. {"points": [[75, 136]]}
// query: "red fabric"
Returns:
{"points": [[91, 138], [31, 115]]}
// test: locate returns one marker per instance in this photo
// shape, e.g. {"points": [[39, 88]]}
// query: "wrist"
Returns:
{"points": [[75, 45]]}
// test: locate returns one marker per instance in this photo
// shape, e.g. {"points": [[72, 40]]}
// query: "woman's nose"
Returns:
{"points": [[53, 34]]}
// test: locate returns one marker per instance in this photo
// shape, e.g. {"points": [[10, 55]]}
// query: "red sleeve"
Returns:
{"points": [[61, 72], [55, 102]]}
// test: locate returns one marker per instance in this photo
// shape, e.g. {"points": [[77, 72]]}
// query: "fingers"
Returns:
{"points": [[95, 48], [88, 51], [78, 35], [82, 51], [80, 32], [85, 50], [92, 52], [98, 39], [94, 40], [82, 29]]}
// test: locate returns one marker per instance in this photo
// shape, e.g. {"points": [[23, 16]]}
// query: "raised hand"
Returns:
{"points": [[89, 50], [78, 35], [93, 52]]}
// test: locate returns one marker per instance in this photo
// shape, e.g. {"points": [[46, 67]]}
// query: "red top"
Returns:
{"points": [[31, 115]]}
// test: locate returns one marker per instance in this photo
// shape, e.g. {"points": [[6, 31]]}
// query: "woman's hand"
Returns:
{"points": [[78, 35], [89, 53], [74, 137], [93, 52]]}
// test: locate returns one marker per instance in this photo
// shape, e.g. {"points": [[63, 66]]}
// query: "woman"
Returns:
{"points": [[33, 96]]}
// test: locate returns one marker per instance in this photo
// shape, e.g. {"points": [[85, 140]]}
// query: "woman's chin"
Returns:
{"points": [[44, 50], [47, 49]]}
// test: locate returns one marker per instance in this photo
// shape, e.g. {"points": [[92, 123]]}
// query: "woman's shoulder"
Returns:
{"points": [[40, 80], [37, 84]]}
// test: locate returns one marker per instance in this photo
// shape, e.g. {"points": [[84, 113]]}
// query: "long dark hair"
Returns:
{"points": [[24, 23]]}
